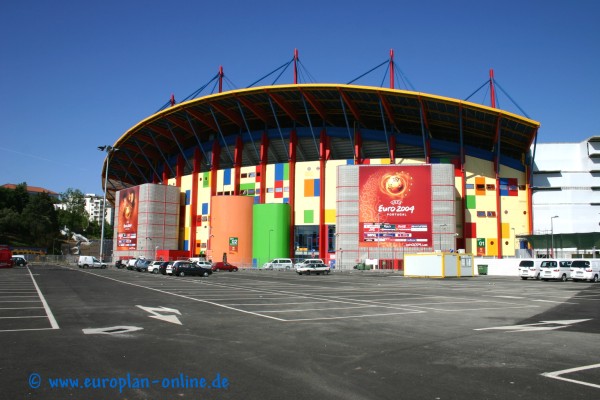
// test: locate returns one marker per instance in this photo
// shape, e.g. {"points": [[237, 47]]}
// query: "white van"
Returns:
{"points": [[555, 269], [585, 270], [90, 262], [279, 263], [530, 268]]}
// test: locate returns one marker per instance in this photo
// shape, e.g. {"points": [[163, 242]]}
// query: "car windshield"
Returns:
{"points": [[526, 264], [548, 264]]}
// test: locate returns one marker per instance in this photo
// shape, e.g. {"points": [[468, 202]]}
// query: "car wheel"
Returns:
{"points": [[217, 269], [235, 270], [299, 273], [563, 278], [205, 274], [575, 280], [595, 280], [181, 273], [537, 277]]}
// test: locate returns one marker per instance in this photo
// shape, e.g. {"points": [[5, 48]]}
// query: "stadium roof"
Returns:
{"points": [[419, 122]]}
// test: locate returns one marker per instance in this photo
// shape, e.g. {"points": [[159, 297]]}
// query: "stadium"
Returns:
{"points": [[341, 172]]}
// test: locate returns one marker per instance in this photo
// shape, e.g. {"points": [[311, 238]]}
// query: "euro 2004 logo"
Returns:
{"points": [[396, 185]]}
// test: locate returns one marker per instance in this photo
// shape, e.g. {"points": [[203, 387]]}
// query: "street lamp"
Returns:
{"points": [[552, 235], [514, 241], [109, 150], [341, 254]]}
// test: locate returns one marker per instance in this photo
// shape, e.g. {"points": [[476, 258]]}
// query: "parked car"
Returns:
{"points": [[224, 266], [203, 263], [174, 265], [163, 267], [122, 262], [131, 263], [19, 260], [555, 269], [530, 268], [313, 268], [154, 266], [5, 257], [90, 262], [309, 261], [142, 265], [279, 263], [585, 270], [190, 268]]}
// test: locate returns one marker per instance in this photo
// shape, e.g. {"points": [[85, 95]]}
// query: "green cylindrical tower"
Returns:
{"points": [[270, 232]]}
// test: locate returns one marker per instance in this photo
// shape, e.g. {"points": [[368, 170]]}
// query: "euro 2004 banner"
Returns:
{"points": [[395, 206]]}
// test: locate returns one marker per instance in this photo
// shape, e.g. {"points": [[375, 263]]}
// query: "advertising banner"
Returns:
{"points": [[395, 206], [128, 219]]}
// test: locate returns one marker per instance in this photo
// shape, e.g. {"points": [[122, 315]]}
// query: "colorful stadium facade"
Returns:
{"points": [[260, 171]]}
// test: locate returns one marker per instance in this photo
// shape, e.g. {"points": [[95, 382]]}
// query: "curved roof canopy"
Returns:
{"points": [[416, 120]]}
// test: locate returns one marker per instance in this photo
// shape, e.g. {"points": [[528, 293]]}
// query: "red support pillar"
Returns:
{"points": [[392, 149], [264, 159], [492, 89], [295, 66], [165, 175], [214, 167], [391, 68], [194, 202], [357, 147], [323, 157], [221, 74], [237, 165], [292, 185]]}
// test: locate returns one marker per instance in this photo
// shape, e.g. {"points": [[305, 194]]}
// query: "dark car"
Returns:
{"points": [[142, 265], [122, 262], [163, 267], [190, 268], [224, 266], [19, 261]]}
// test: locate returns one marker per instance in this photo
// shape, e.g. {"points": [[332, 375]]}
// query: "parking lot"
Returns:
{"points": [[82, 333]]}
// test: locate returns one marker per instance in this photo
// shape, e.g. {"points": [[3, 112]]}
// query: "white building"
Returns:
{"points": [[566, 185], [93, 206]]}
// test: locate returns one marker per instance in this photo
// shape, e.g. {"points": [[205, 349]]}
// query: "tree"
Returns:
{"points": [[72, 213], [40, 220]]}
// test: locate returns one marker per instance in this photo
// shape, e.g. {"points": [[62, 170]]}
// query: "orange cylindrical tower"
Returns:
{"points": [[231, 229]]}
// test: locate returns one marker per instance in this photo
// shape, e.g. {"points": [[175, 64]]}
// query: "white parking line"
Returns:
{"points": [[53, 322], [557, 375]]}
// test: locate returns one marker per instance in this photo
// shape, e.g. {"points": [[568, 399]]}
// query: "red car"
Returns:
{"points": [[224, 266]]}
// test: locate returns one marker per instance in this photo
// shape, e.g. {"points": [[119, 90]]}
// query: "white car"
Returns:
{"points": [[313, 268], [202, 263], [309, 261], [169, 269], [153, 267], [555, 269], [90, 262], [279, 263], [530, 269], [585, 270]]}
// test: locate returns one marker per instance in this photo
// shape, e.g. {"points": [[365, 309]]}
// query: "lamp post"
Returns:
{"points": [[514, 241], [552, 235], [109, 150], [341, 254]]}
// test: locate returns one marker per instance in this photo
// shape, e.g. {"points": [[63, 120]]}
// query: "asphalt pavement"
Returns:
{"points": [[117, 334]]}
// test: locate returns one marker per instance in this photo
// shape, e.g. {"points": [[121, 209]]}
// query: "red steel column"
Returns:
{"points": [[292, 183], [323, 157], [194, 201], [237, 165], [264, 159]]}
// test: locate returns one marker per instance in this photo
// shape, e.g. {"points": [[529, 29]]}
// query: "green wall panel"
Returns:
{"points": [[270, 232]]}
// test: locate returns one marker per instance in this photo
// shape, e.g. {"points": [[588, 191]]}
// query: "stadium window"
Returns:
{"points": [[491, 214], [204, 218], [470, 186], [269, 190], [481, 213], [251, 191], [521, 187], [251, 174], [490, 186], [245, 175], [480, 186]]}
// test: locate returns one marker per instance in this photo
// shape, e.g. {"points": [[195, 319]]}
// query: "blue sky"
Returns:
{"points": [[79, 74]]}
